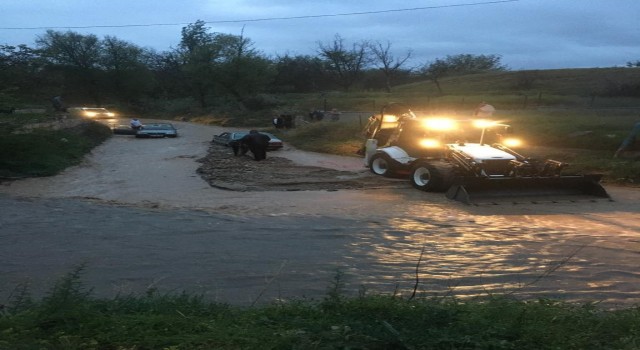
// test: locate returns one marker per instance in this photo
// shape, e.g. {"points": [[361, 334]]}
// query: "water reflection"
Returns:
{"points": [[475, 255]]}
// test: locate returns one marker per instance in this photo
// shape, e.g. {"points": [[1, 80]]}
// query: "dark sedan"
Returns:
{"points": [[226, 137]]}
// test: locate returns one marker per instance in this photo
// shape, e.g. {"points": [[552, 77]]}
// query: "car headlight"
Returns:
{"points": [[90, 114], [512, 142], [430, 143], [111, 114], [439, 124]]}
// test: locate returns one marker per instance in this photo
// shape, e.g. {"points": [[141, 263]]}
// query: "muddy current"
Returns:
{"points": [[244, 260], [171, 230]]}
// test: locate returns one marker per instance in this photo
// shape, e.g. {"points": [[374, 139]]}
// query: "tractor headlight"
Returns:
{"points": [[482, 123], [389, 118], [512, 142], [430, 143], [440, 124]]}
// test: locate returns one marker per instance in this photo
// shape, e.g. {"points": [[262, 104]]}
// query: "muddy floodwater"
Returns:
{"points": [[240, 259], [180, 234]]}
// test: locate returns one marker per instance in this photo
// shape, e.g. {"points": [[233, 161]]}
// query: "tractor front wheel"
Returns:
{"points": [[436, 176]]}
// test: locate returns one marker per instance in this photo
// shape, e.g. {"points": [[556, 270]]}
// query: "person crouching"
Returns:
{"points": [[255, 142]]}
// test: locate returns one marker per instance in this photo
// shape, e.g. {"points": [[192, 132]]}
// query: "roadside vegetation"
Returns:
{"points": [[68, 317], [43, 151]]}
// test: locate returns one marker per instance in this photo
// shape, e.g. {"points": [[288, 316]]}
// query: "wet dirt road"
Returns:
{"points": [[165, 228]]}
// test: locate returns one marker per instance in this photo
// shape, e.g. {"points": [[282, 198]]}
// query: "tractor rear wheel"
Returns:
{"points": [[432, 176]]}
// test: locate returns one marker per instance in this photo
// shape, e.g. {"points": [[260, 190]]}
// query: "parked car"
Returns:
{"points": [[123, 129], [93, 112], [226, 137], [157, 130]]}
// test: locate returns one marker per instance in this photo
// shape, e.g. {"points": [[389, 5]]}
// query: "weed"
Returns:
{"points": [[68, 317]]}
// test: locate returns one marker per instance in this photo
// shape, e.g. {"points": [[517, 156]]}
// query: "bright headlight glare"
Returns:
{"points": [[482, 123], [111, 114], [439, 124], [511, 142], [389, 118], [429, 143], [90, 114]]}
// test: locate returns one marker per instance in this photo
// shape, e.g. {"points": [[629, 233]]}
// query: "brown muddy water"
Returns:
{"points": [[559, 251]]}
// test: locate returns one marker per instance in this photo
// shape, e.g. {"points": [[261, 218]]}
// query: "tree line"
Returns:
{"points": [[210, 69]]}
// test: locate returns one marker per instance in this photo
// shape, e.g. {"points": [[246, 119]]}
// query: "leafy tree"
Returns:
{"points": [[166, 68], [20, 68], [461, 64], [199, 52], [631, 64], [471, 64], [387, 63], [299, 74], [222, 64], [243, 71], [70, 49], [344, 64], [435, 71], [78, 57], [126, 73]]}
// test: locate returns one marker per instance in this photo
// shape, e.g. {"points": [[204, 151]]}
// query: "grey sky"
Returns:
{"points": [[528, 34]]}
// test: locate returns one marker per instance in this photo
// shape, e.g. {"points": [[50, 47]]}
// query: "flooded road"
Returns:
{"points": [[137, 225], [247, 259]]}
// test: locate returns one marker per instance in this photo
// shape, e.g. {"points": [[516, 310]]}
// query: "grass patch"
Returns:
{"points": [[45, 152], [327, 137], [69, 318]]}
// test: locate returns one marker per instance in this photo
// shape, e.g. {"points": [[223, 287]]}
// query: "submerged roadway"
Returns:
{"points": [[136, 216]]}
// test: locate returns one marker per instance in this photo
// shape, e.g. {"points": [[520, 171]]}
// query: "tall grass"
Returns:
{"points": [[69, 318]]}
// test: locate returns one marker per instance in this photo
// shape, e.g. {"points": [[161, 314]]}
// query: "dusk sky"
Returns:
{"points": [[528, 34]]}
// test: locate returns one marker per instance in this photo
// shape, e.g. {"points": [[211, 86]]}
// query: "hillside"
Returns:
{"points": [[576, 82], [579, 88]]}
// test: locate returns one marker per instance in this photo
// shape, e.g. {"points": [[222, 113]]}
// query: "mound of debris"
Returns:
{"points": [[221, 169]]}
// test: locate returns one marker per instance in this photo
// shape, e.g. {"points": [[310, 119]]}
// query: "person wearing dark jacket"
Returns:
{"points": [[255, 142]]}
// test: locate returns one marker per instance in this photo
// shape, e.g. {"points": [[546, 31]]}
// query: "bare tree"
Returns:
{"points": [[345, 64], [388, 64]]}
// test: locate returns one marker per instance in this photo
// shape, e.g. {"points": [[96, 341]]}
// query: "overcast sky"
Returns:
{"points": [[528, 34]]}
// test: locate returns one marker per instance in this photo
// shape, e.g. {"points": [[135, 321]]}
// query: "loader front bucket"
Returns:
{"points": [[477, 190]]}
